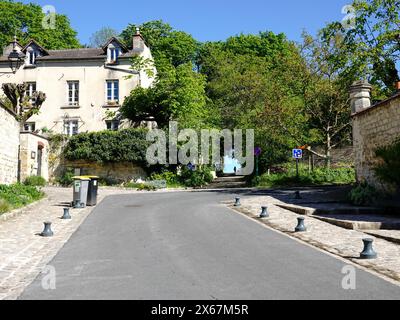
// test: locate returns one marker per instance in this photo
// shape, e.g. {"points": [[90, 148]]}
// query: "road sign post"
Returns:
{"points": [[297, 154]]}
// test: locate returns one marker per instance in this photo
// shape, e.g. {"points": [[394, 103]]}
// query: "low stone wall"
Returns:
{"points": [[374, 127], [31, 145], [9, 136], [110, 172]]}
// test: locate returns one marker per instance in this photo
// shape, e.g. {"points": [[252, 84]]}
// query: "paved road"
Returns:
{"points": [[189, 246]]}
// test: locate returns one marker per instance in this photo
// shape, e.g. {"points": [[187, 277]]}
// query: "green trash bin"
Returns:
{"points": [[80, 191], [92, 190]]}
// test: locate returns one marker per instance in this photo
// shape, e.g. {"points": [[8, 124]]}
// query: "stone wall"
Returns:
{"points": [[373, 127], [31, 144], [113, 173], [9, 136]]}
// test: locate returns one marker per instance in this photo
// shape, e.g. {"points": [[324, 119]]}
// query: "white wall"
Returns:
{"points": [[51, 78], [9, 136]]}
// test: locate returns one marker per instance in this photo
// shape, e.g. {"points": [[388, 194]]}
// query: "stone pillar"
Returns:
{"points": [[360, 96]]}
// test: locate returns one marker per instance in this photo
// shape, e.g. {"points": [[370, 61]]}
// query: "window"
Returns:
{"points": [[113, 54], [31, 57], [112, 91], [112, 125], [30, 91], [73, 93], [30, 127], [71, 127]]}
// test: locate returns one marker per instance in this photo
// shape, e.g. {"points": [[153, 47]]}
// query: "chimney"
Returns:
{"points": [[397, 86], [360, 96], [138, 42]]}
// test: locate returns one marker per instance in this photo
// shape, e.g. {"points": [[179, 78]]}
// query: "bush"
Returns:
{"points": [[65, 179], [18, 195], [197, 178], [389, 171], [127, 145], [320, 176], [146, 187], [35, 181], [363, 195], [169, 177]]}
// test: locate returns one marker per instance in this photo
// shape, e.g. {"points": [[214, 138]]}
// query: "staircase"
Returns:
{"points": [[228, 182]]}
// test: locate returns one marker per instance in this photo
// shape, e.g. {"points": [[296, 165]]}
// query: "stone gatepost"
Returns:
{"points": [[360, 96], [360, 100]]}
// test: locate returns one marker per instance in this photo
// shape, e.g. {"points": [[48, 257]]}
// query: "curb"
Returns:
{"points": [[16, 212]]}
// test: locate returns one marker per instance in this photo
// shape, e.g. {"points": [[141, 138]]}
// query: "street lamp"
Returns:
{"points": [[15, 58]]}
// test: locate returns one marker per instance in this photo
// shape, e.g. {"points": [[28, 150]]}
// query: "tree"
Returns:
{"points": [[100, 37], [373, 43], [325, 93], [18, 102], [25, 20], [167, 44], [253, 82], [177, 94]]}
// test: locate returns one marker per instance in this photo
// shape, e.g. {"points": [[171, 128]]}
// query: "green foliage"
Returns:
{"points": [[17, 195], [197, 178], [389, 170], [171, 178], [363, 195], [286, 176], [178, 94], [108, 146], [372, 47], [35, 181], [65, 179], [26, 20], [175, 47], [146, 187]]}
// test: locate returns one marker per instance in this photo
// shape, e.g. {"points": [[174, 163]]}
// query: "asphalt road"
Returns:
{"points": [[189, 246]]}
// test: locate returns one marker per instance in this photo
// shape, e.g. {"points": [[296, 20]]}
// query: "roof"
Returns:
{"points": [[76, 54], [35, 43], [114, 39]]}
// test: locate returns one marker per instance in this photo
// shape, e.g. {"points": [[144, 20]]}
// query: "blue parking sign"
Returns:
{"points": [[297, 154]]}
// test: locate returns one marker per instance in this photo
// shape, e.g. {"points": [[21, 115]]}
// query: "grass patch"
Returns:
{"points": [[286, 177], [17, 196]]}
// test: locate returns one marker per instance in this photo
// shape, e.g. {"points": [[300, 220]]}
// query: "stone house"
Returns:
{"points": [[83, 86], [374, 126], [84, 89]]}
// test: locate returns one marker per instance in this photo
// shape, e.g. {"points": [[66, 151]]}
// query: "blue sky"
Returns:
{"points": [[204, 19]]}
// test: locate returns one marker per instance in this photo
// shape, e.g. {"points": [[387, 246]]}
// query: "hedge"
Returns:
{"points": [[108, 146]]}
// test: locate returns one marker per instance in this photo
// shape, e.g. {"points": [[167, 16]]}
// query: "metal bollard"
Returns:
{"points": [[66, 215], [47, 232], [237, 202], [264, 212], [368, 252], [301, 226], [297, 195]]}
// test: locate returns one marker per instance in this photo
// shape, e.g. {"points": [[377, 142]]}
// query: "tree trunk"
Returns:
{"points": [[328, 149]]}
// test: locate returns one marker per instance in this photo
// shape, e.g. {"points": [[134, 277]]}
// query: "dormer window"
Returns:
{"points": [[113, 54], [31, 57]]}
